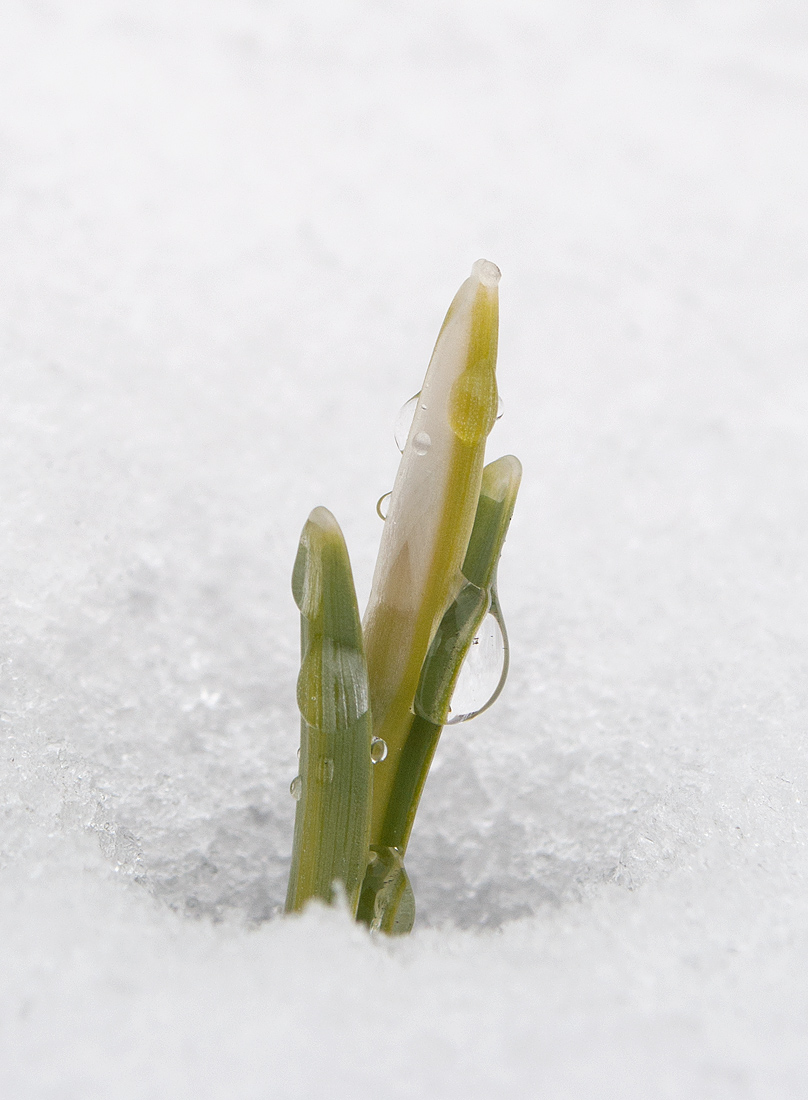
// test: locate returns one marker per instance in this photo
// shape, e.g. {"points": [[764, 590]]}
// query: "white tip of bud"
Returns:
{"points": [[488, 273]]}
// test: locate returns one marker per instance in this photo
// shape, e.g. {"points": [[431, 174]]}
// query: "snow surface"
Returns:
{"points": [[229, 231]]}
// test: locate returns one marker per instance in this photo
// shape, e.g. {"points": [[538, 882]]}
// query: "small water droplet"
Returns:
{"points": [[378, 750], [483, 672], [421, 443], [404, 421], [326, 770], [382, 504], [500, 407], [298, 754], [296, 788]]}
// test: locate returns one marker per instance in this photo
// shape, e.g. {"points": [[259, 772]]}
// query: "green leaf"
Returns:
{"points": [[465, 614], [332, 820]]}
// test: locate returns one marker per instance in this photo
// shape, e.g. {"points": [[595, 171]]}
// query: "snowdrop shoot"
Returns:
{"points": [[374, 698]]}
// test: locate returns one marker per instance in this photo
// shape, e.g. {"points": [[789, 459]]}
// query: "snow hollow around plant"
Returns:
{"points": [[228, 235]]}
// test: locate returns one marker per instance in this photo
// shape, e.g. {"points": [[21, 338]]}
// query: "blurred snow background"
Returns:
{"points": [[228, 235]]}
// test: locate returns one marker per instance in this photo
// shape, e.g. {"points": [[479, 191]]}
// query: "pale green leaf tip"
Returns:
{"points": [[501, 478], [321, 533], [323, 521]]}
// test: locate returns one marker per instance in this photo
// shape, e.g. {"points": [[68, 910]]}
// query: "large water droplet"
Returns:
{"points": [[484, 670], [404, 421], [421, 443], [296, 788], [382, 504], [378, 750]]}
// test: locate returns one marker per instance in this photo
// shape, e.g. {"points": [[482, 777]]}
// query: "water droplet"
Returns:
{"points": [[388, 903], [296, 788], [421, 443], [500, 407], [298, 754], [382, 504], [378, 750], [326, 769], [483, 672], [342, 696], [404, 421]]}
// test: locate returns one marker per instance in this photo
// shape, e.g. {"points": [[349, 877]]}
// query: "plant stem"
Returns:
{"points": [[413, 767]]}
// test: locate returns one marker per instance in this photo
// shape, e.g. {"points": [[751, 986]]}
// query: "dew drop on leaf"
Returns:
{"points": [[421, 443], [404, 421], [483, 672], [378, 750]]}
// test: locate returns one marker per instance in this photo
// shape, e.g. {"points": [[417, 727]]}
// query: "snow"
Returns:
{"points": [[229, 234]]}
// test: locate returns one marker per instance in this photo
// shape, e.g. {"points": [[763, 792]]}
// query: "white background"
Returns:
{"points": [[228, 235]]}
